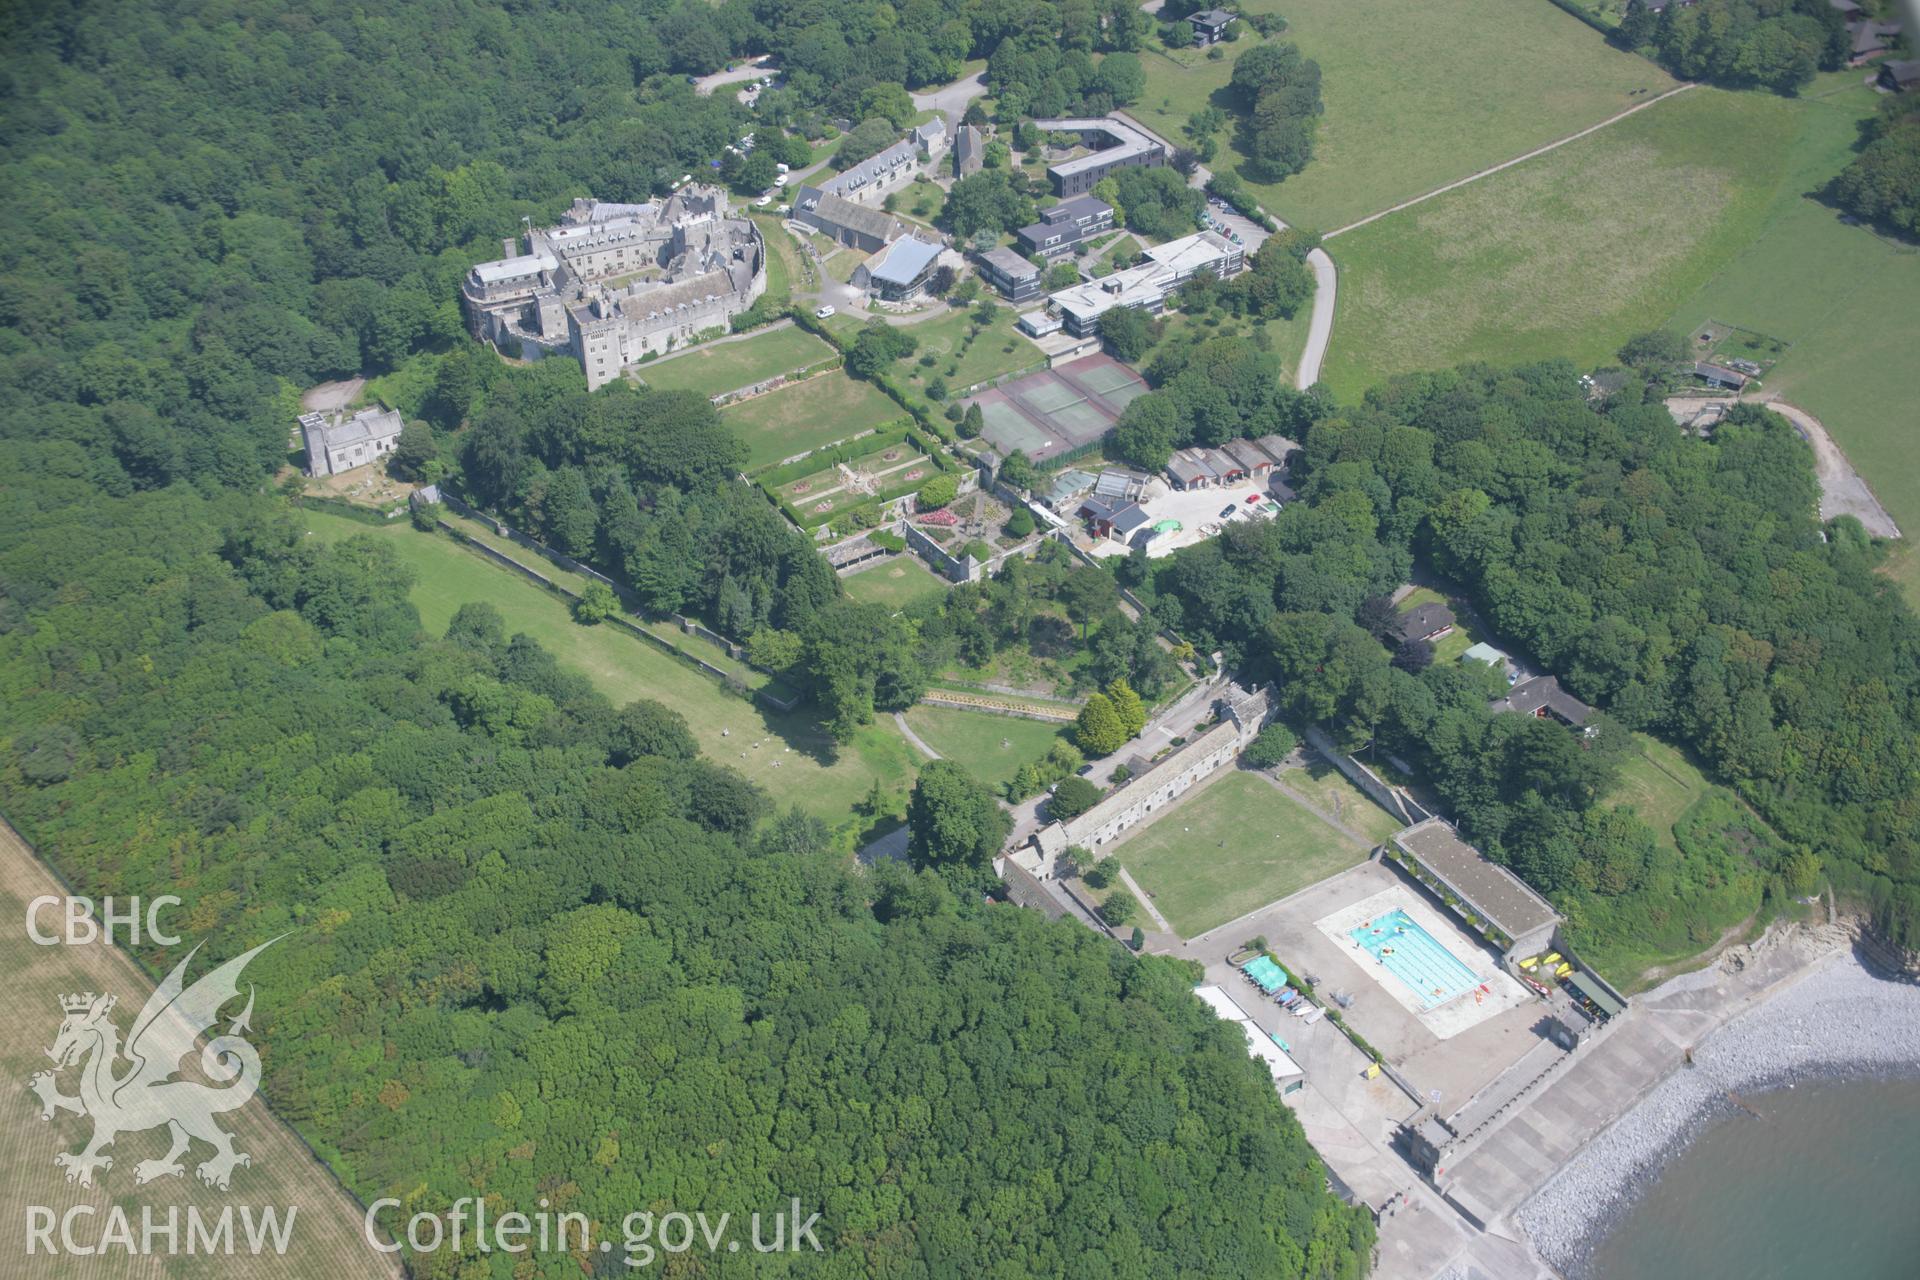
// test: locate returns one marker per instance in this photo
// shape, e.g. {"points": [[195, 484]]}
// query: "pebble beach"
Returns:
{"points": [[1839, 1021]]}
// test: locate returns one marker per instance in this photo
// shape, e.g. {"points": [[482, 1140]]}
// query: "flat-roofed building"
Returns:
{"points": [[1115, 145], [1147, 285], [1017, 279], [1065, 226], [1210, 25]]}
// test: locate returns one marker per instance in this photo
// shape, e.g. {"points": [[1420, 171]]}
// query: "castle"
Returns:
{"points": [[614, 282]]}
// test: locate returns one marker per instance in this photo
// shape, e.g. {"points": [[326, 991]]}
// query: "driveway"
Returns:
{"points": [[951, 100], [752, 69]]}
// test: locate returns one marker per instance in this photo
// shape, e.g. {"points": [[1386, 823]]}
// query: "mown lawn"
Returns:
{"points": [[1229, 846], [1418, 93], [787, 754], [902, 581], [807, 415], [986, 356], [1566, 255], [728, 365], [991, 747], [1327, 787], [1843, 299]]}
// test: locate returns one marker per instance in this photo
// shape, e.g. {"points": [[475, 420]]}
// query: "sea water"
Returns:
{"points": [[1825, 1183]]}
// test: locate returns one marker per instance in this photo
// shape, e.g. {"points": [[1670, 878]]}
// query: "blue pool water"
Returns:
{"points": [[1410, 953]]}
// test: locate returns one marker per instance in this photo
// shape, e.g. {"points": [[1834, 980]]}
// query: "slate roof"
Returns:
{"points": [[1529, 697], [1425, 619]]}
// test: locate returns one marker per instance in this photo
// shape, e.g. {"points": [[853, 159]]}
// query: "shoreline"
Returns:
{"points": [[1838, 1021]]}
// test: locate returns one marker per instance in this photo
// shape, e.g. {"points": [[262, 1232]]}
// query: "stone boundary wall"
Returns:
{"points": [[533, 575], [983, 702], [1391, 798]]}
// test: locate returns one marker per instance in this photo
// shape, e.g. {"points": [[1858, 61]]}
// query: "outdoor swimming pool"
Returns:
{"points": [[1411, 954]]}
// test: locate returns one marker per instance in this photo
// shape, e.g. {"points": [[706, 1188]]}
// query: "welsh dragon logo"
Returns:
{"points": [[145, 1094]]}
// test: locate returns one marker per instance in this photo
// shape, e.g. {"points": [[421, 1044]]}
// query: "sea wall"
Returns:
{"points": [[1839, 1021]]}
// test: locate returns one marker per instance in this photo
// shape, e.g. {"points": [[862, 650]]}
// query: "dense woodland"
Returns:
{"points": [[539, 948], [1764, 44], [1882, 184], [1685, 586]]}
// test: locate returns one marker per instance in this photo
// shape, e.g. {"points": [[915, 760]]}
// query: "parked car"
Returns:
{"points": [[821, 313], [1227, 512]]}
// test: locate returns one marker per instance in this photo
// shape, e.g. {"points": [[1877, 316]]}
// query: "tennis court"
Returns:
{"points": [[1045, 415]]}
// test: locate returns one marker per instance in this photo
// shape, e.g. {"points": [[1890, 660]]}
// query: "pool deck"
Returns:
{"points": [[1456, 1067], [1446, 1020]]}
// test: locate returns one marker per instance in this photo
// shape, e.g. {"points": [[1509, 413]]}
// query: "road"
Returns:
{"points": [[906, 730]]}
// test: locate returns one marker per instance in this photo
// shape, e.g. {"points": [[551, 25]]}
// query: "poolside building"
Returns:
{"points": [[1483, 890], [1288, 1078]]}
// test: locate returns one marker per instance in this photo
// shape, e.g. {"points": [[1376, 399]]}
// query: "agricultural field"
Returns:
{"points": [[991, 747], [964, 358], [1565, 255], [807, 415], [1391, 133], [1230, 845], [1831, 293], [327, 1239], [899, 583], [733, 363], [789, 755]]}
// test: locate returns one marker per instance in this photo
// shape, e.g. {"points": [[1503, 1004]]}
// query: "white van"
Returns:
{"points": [[780, 167], [821, 313]]}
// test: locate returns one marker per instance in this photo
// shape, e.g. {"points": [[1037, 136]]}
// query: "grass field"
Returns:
{"points": [[1328, 788], [787, 754], [1230, 845], [991, 747], [796, 419], [1418, 93], [1843, 300], [1566, 255], [727, 365], [327, 1239], [987, 356], [896, 583], [1660, 784]]}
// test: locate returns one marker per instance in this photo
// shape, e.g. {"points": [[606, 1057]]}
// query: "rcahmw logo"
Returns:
{"points": [[131, 1089]]}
